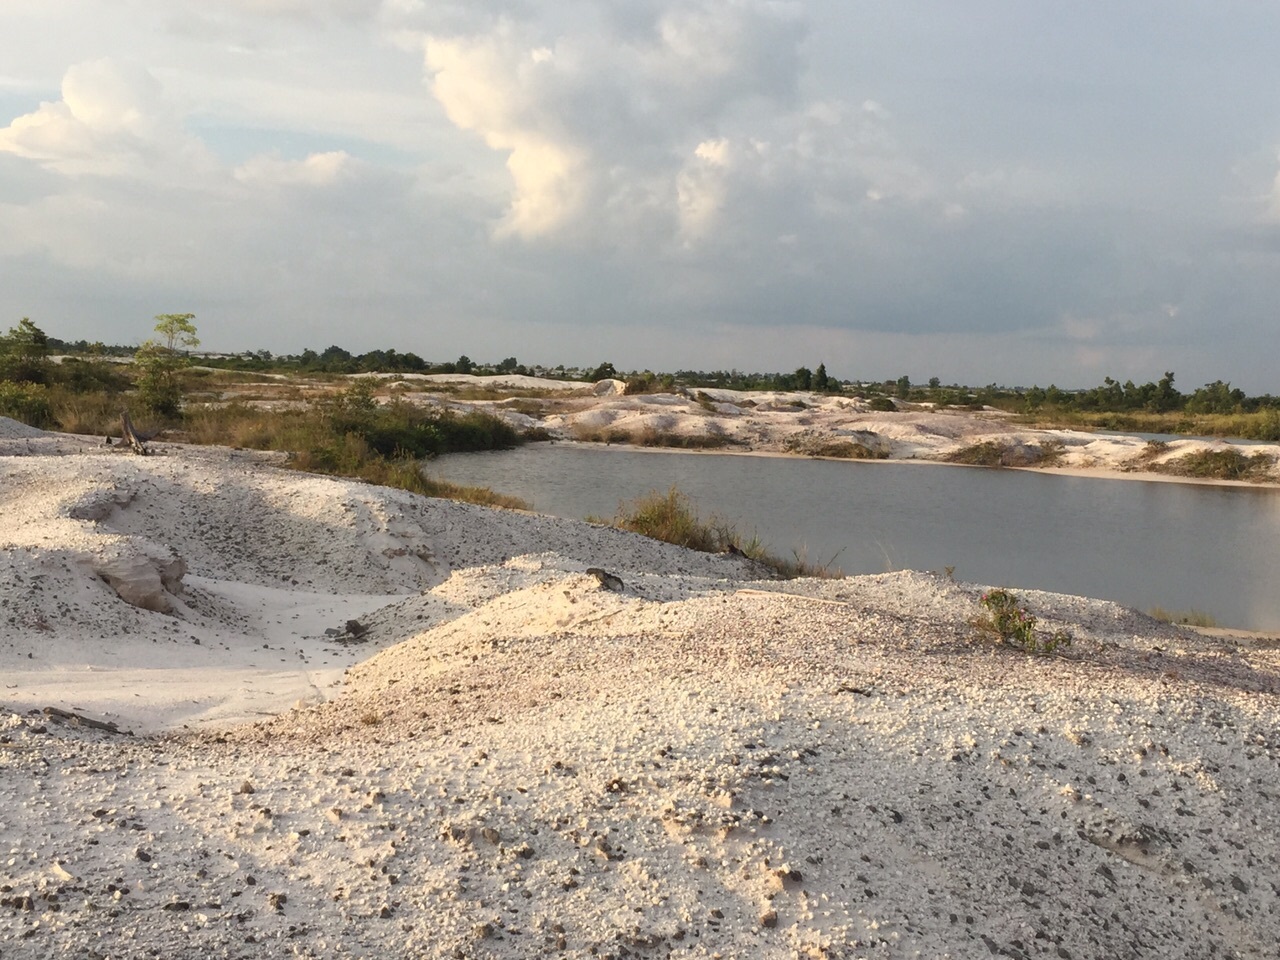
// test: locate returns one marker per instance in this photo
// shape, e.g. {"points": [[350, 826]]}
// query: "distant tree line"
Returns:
{"points": [[1158, 397], [25, 351]]}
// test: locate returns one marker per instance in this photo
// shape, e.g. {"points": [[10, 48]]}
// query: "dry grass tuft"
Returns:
{"points": [[1191, 618], [671, 517]]}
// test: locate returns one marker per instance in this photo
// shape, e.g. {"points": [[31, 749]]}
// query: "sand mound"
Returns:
{"points": [[527, 760], [15, 430]]}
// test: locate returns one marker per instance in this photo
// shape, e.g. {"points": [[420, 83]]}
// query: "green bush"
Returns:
{"points": [[89, 376], [28, 402], [24, 354], [1014, 624]]}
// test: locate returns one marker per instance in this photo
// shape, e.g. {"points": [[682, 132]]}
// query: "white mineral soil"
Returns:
{"points": [[805, 423], [514, 761]]}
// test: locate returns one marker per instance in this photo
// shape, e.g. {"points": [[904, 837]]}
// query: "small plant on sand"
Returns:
{"points": [[1013, 623]]}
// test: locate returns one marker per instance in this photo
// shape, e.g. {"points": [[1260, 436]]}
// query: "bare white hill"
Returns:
{"points": [[504, 758]]}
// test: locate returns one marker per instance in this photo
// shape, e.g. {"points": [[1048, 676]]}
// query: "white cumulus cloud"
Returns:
{"points": [[598, 119], [111, 121], [316, 170]]}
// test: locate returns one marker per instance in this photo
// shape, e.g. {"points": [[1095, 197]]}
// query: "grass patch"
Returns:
{"points": [[1228, 464], [1191, 618], [407, 473], [671, 518]]}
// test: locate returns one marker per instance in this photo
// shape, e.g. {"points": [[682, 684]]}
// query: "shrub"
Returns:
{"points": [[161, 362], [882, 405], [671, 517], [1228, 464], [24, 354], [648, 436], [28, 402], [988, 453], [641, 383], [90, 376], [808, 445], [400, 428], [349, 434], [1014, 624]]}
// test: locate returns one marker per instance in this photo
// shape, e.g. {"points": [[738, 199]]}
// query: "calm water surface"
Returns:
{"points": [[1178, 546]]}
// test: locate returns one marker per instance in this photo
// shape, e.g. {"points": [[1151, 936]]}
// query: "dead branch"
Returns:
{"points": [[82, 720], [131, 436]]}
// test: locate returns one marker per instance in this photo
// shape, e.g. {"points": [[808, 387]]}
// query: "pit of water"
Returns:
{"points": [[1179, 546]]}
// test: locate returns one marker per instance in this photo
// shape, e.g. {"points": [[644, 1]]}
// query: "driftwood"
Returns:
{"points": [[84, 721], [131, 436]]}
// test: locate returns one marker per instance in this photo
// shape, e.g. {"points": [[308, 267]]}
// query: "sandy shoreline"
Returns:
{"points": [[1093, 472], [514, 761], [795, 423], [777, 423]]}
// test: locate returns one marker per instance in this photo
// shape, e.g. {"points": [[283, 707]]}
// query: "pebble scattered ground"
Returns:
{"points": [[523, 762]]}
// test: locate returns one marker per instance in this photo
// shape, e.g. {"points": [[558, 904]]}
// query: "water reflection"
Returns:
{"points": [[1179, 546]]}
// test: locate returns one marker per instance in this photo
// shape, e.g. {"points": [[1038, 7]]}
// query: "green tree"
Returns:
{"points": [[177, 331], [162, 359], [605, 371], [1216, 397], [1166, 397], [820, 379], [24, 354], [903, 387], [803, 378]]}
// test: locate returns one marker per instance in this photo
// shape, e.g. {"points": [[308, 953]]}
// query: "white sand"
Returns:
{"points": [[522, 763], [801, 422], [771, 422]]}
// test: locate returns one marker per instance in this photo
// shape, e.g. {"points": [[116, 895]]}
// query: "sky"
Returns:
{"points": [[987, 191]]}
